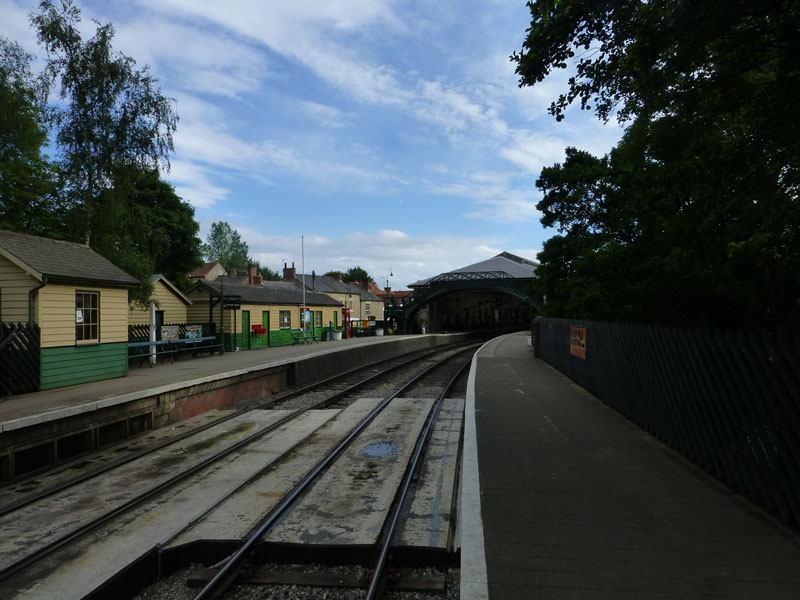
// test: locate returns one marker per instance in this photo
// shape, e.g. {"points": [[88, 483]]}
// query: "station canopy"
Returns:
{"points": [[504, 266]]}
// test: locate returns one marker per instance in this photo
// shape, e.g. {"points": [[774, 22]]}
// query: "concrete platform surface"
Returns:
{"points": [[61, 402], [576, 502]]}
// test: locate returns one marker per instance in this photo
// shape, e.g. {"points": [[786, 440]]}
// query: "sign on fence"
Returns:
{"points": [[170, 332], [194, 332], [577, 342]]}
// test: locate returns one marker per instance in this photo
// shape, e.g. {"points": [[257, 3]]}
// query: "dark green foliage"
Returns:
{"points": [[28, 201], [113, 130], [112, 114], [226, 245], [694, 216], [356, 274], [146, 228]]}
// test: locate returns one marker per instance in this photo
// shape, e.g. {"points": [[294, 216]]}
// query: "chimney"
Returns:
{"points": [[251, 276], [289, 274], [388, 291]]}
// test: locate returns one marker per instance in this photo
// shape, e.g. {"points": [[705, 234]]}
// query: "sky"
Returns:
{"points": [[386, 134]]}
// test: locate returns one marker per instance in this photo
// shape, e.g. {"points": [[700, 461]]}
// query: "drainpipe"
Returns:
{"points": [[31, 294]]}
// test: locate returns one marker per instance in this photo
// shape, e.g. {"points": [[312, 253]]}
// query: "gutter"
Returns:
{"points": [[31, 294]]}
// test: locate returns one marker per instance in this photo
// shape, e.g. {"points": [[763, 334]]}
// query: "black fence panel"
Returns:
{"points": [[729, 401], [20, 358], [141, 333]]}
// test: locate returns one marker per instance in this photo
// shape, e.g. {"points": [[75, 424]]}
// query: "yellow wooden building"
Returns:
{"points": [[79, 300], [259, 315], [170, 303]]}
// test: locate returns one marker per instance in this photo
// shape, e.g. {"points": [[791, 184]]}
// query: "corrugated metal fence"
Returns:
{"points": [[729, 401]]}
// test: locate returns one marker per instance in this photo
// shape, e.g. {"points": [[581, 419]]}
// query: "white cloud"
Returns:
{"points": [[327, 116], [495, 198], [408, 257]]}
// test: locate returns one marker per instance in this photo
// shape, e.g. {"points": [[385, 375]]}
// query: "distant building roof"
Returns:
{"points": [[505, 262], [365, 294], [269, 292], [202, 272], [61, 261], [326, 284]]}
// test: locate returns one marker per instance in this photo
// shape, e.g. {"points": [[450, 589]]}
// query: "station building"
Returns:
{"points": [[490, 294], [78, 300], [258, 313], [362, 309], [171, 305]]}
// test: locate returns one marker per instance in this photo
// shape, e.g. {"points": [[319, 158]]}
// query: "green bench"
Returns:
{"points": [[299, 336], [140, 351]]}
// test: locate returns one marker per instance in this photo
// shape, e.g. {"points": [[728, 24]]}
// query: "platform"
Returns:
{"points": [[563, 498]]}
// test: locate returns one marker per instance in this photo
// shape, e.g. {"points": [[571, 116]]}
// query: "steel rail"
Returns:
{"points": [[378, 583], [104, 468], [81, 530], [227, 574]]}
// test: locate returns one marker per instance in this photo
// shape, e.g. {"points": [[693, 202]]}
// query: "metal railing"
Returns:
{"points": [[727, 400]]}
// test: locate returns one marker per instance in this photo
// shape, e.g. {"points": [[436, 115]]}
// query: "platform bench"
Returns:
{"points": [[302, 337], [140, 351]]}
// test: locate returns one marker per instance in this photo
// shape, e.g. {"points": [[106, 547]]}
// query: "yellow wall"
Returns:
{"points": [[56, 307], [256, 311], [346, 300], [375, 307], [198, 312], [14, 287], [175, 310]]}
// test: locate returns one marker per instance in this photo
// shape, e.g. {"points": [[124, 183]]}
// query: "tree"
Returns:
{"points": [[225, 245], [698, 203], [147, 228], [356, 274], [113, 114], [28, 200]]}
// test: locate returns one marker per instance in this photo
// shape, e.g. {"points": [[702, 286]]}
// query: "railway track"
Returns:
{"points": [[206, 472]]}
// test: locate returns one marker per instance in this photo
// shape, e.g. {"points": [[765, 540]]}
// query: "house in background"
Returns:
{"points": [[79, 301], [259, 313], [209, 271], [171, 304]]}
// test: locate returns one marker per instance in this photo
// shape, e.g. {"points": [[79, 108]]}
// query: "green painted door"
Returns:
{"points": [[265, 325], [246, 330]]}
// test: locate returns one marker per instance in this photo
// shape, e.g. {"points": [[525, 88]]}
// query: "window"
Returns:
{"points": [[285, 319], [318, 319], [87, 316], [366, 308]]}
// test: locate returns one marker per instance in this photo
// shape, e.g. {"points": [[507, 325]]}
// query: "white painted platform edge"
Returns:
{"points": [[474, 584]]}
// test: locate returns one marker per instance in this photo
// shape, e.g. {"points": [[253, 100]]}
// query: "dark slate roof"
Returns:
{"points": [[368, 296], [326, 284], [59, 260], [515, 266], [269, 292]]}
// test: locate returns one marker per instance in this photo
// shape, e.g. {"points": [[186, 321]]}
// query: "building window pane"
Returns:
{"points": [[285, 319], [87, 316], [318, 319]]}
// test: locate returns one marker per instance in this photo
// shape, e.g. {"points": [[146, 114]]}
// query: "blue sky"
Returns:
{"points": [[389, 134]]}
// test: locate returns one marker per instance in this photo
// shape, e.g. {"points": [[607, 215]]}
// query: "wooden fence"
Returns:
{"points": [[727, 400], [20, 358]]}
